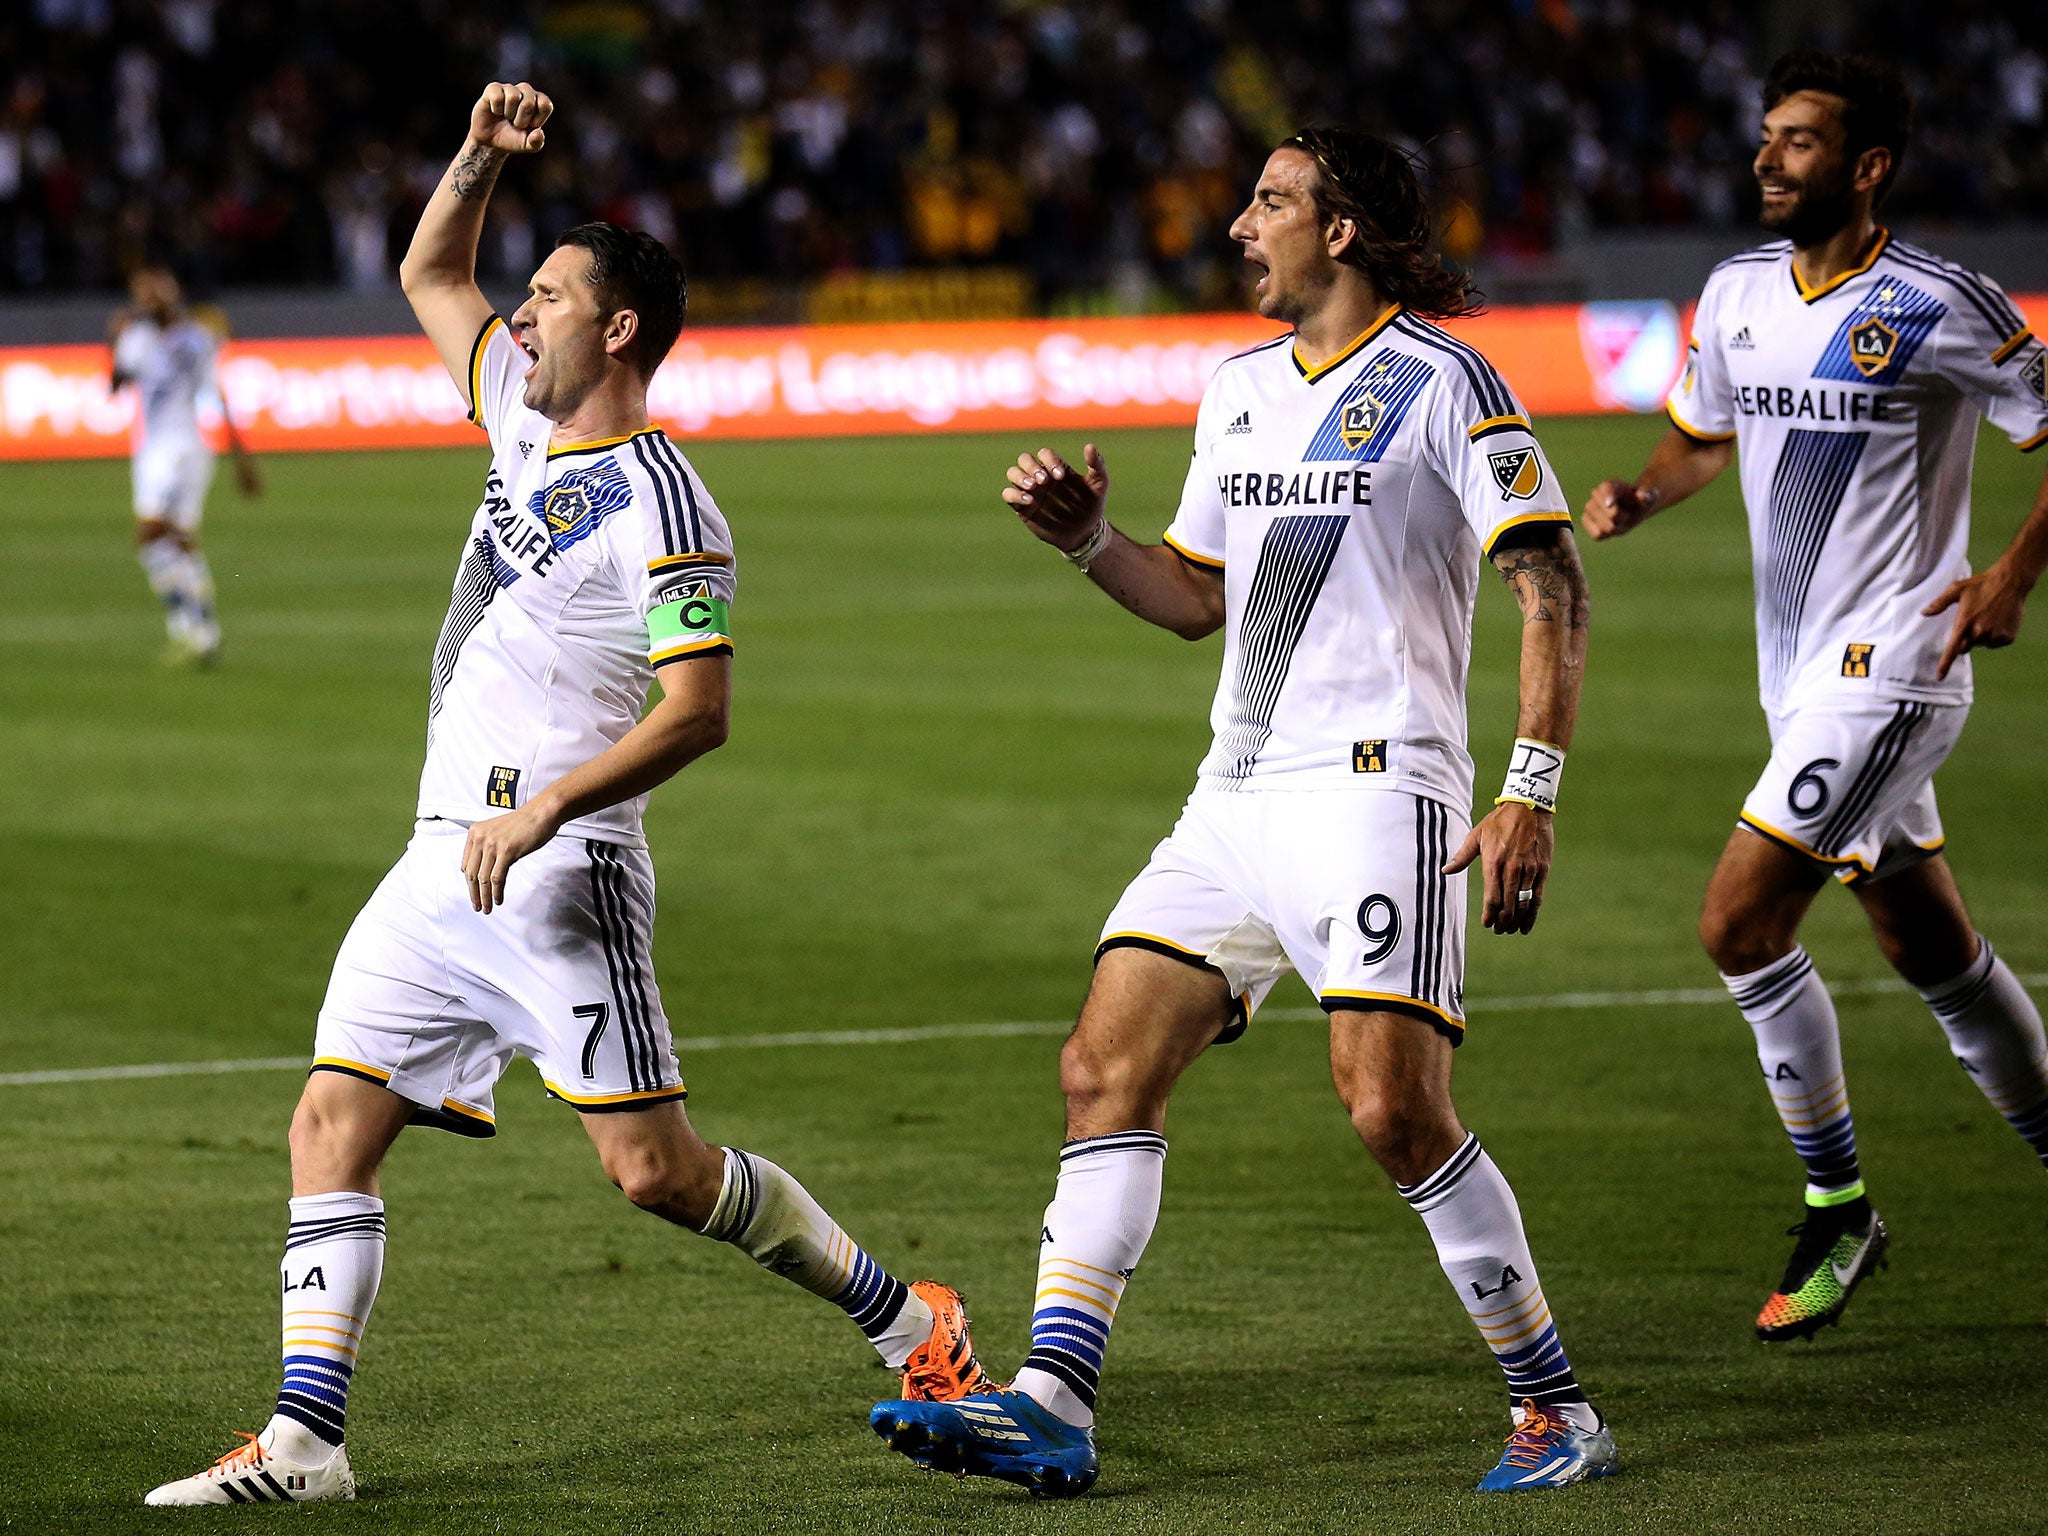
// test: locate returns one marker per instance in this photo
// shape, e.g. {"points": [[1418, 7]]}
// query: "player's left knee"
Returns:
{"points": [[1405, 1132]]}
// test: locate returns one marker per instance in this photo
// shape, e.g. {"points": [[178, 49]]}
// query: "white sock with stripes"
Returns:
{"points": [[163, 563], [772, 1219], [1799, 1046], [1995, 1031], [1477, 1228], [1102, 1213], [333, 1259], [195, 587]]}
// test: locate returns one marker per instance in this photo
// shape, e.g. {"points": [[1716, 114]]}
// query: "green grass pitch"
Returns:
{"points": [[948, 756]]}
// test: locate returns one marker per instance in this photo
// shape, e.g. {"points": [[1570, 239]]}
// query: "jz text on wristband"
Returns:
{"points": [[1534, 768]]}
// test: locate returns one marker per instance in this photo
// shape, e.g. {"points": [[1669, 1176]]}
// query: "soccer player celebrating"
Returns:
{"points": [[518, 922], [1347, 480], [1851, 369], [169, 357]]}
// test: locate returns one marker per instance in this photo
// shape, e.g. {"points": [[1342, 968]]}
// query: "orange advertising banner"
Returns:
{"points": [[1081, 375]]}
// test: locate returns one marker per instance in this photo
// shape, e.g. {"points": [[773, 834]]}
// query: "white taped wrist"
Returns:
{"points": [[1089, 549], [1534, 768]]}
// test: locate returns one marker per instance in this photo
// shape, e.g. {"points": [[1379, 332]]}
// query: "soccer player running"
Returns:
{"points": [[169, 356], [519, 920], [1347, 480], [1850, 369]]}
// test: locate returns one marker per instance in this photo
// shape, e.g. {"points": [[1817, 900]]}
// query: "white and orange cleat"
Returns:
{"points": [[254, 1474]]}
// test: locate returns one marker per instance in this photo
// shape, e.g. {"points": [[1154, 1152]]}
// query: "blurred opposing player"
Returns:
{"points": [[1850, 369], [519, 920], [1347, 481], [168, 355]]}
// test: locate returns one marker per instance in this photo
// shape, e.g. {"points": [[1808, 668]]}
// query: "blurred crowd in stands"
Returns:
{"points": [[1098, 146]]}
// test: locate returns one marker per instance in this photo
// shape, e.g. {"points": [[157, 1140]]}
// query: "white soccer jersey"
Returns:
{"points": [[587, 567], [173, 370], [1854, 408], [1348, 507]]}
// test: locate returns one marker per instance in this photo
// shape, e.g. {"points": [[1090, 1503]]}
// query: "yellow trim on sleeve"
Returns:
{"points": [[1188, 554], [688, 557], [1694, 432], [2035, 441], [1500, 421], [689, 648], [1391, 997], [1493, 538], [1884, 238], [476, 367], [1351, 349], [2012, 344]]}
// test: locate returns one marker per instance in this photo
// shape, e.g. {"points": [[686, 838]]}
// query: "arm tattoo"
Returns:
{"points": [[475, 172], [1547, 581]]}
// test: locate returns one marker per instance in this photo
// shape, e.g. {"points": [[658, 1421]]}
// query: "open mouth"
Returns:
{"points": [[532, 352], [1260, 267]]}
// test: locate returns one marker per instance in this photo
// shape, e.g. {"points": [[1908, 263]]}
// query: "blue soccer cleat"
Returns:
{"points": [[1546, 1452], [995, 1433]]}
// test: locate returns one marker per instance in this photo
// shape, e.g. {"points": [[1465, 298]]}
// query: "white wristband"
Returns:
{"points": [[1534, 768], [1085, 553]]}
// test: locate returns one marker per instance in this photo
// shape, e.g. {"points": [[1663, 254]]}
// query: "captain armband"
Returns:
{"points": [[1534, 768], [688, 626]]}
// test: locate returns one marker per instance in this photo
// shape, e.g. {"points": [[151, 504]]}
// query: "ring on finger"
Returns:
{"points": [[1528, 895]]}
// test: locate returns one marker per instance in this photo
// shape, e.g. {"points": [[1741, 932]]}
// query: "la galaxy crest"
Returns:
{"points": [[1517, 471], [1360, 420], [576, 504], [1871, 346]]}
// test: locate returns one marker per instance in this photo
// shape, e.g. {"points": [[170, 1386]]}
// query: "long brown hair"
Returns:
{"points": [[1373, 183]]}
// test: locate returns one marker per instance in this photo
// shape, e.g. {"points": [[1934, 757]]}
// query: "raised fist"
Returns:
{"points": [[508, 118]]}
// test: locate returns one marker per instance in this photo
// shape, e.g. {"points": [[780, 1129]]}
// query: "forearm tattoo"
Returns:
{"points": [[1548, 582], [475, 172]]}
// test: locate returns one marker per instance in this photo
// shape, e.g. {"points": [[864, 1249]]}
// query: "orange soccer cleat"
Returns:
{"points": [[943, 1368]]}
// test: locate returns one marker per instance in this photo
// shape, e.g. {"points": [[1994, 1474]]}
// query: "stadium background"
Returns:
{"points": [[949, 756]]}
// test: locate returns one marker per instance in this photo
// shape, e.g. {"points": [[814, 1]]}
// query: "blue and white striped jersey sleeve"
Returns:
{"points": [[1988, 351], [674, 554]]}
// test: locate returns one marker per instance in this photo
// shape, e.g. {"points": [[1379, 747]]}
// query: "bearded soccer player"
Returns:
{"points": [[519, 920], [1849, 370], [1348, 480], [168, 355]]}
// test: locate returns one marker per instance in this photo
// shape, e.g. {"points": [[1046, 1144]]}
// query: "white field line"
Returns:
{"points": [[909, 1034]]}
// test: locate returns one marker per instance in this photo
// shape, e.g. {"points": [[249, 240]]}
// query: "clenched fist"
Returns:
{"points": [[508, 118]]}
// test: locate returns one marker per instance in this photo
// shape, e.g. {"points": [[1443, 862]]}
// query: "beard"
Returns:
{"points": [[1820, 210]]}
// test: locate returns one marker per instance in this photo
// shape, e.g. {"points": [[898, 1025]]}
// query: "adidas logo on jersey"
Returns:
{"points": [[1740, 341], [1243, 424]]}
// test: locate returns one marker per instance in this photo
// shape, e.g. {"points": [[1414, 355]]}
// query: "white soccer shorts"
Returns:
{"points": [[1851, 785], [1345, 887], [171, 480], [433, 999]]}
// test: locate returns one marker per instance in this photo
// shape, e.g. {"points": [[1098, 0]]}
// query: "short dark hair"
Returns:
{"points": [[630, 269], [1378, 186], [1877, 104]]}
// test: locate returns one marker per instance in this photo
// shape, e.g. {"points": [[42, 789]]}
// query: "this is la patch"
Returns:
{"points": [[1517, 471]]}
